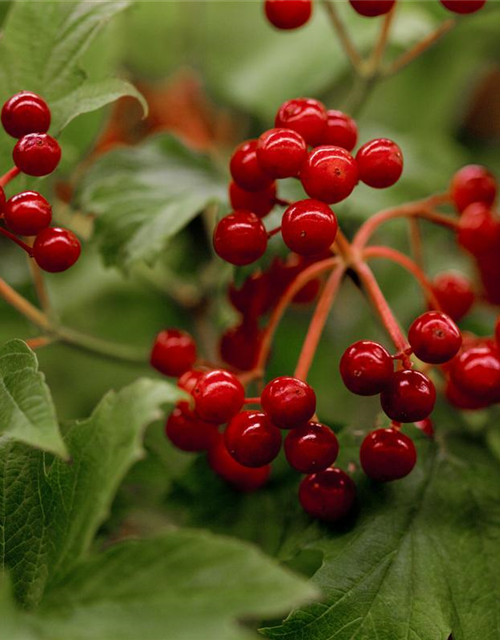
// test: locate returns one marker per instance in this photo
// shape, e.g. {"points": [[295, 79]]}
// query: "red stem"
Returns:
{"points": [[23, 245], [273, 232], [10, 175]]}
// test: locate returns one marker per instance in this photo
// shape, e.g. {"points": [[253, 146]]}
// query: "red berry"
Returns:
{"points": [[306, 116], [27, 213], [56, 249], [240, 345], [410, 396], [246, 170], [462, 399], [242, 478], [341, 130], [218, 396], [311, 448], [463, 6], [309, 227], [281, 153], [240, 238], [289, 402], [328, 495], [366, 368], [173, 353], [472, 183], [25, 113], [454, 293], [478, 229], [189, 433], [380, 163], [476, 370], [372, 8], [329, 174], [387, 454], [308, 293], [37, 154], [288, 14], [251, 439], [435, 338], [489, 272], [254, 297], [2, 200], [188, 382], [259, 202]]}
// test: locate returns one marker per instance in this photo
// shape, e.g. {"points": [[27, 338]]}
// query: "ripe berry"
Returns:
{"points": [[37, 154], [24, 113], [240, 238], [188, 433], [478, 229], [240, 345], [434, 337], [311, 448], [288, 14], [372, 8], [254, 298], [328, 495], [188, 382], [472, 183], [462, 399], [242, 478], [259, 202], [173, 353], [246, 170], [306, 116], [252, 440], [2, 200], [454, 293], [380, 163], [341, 130], [27, 213], [289, 402], [463, 6], [329, 174], [409, 397], [218, 396], [56, 249], [281, 153], [477, 371], [489, 272], [309, 227], [366, 368], [387, 454]]}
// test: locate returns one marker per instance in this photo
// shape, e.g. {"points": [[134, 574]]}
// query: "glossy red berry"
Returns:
{"points": [[243, 478], [188, 382], [27, 213], [56, 249], [306, 116], [366, 368], [309, 227], [476, 370], [37, 154], [288, 14], [246, 170], [463, 6], [24, 113], [240, 346], [281, 153], [472, 183], [251, 439], [329, 174], [289, 402], [380, 163], [387, 454], [218, 396], [328, 495], [311, 448], [240, 238], [372, 8], [259, 202], [173, 353], [341, 130], [478, 229], [435, 338], [454, 293], [409, 397], [188, 433]]}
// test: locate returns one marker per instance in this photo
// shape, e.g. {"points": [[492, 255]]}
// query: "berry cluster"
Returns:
{"points": [[293, 14], [313, 145], [26, 116]]}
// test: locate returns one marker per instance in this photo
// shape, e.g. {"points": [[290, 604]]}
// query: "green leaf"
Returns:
{"points": [[27, 413], [51, 510], [40, 50], [143, 196], [422, 560]]}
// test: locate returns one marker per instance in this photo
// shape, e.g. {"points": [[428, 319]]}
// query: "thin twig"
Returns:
{"points": [[345, 39]]}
